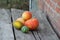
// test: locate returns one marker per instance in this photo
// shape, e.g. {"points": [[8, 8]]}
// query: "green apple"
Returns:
{"points": [[24, 29]]}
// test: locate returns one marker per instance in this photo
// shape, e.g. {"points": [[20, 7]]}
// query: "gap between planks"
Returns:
{"points": [[52, 26], [23, 34]]}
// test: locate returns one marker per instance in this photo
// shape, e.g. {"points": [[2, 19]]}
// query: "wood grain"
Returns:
{"points": [[6, 32], [44, 31], [19, 35]]}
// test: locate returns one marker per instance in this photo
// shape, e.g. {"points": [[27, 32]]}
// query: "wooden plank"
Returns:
{"points": [[52, 14], [6, 32], [55, 24], [45, 32], [19, 35]]}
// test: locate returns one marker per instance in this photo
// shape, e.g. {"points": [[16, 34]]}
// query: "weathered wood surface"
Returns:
{"points": [[55, 22], [44, 31], [6, 32], [39, 4], [19, 35]]}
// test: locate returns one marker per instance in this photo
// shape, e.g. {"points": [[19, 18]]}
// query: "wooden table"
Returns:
{"points": [[8, 32]]}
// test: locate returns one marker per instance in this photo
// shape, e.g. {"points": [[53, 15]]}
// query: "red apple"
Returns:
{"points": [[32, 24], [27, 15]]}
